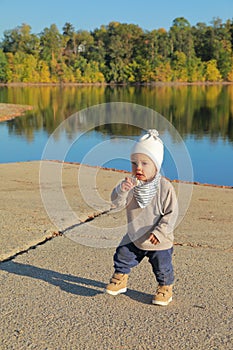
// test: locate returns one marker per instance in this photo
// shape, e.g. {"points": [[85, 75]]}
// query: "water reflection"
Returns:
{"points": [[195, 110], [202, 114]]}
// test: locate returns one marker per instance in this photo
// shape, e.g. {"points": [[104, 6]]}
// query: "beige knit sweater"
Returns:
{"points": [[159, 216]]}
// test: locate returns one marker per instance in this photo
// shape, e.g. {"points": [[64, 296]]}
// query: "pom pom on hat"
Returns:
{"points": [[151, 145]]}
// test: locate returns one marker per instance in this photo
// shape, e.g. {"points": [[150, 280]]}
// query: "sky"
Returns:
{"points": [[91, 14]]}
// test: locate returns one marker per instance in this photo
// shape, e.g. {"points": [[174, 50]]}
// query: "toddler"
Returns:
{"points": [[151, 208]]}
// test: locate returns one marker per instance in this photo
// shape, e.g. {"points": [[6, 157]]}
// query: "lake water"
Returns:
{"points": [[201, 115]]}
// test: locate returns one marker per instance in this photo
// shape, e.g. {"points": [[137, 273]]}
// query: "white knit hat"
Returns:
{"points": [[151, 145]]}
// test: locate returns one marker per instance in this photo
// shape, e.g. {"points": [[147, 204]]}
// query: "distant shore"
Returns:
{"points": [[155, 83]]}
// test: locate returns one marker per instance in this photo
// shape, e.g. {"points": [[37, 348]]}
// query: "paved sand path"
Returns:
{"points": [[52, 296]]}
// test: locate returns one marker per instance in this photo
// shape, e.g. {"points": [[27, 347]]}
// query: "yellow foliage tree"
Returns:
{"points": [[29, 70], [179, 65], [163, 72], [43, 72], [230, 74], [212, 72]]}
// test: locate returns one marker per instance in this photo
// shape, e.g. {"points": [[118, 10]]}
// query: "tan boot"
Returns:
{"points": [[118, 284], [163, 295]]}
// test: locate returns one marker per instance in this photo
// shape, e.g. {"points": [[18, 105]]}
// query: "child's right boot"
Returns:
{"points": [[118, 284]]}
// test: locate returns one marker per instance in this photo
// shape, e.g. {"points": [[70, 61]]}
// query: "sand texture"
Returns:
{"points": [[53, 277]]}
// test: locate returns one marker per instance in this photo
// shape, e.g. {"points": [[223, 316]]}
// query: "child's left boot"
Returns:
{"points": [[163, 295]]}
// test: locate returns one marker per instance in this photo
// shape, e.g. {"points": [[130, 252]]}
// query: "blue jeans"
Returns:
{"points": [[128, 256]]}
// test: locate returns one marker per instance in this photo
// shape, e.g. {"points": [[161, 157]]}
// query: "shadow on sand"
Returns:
{"points": [[69, 283]]}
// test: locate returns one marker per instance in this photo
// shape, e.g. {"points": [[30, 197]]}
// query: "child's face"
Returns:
{"points": [[143, 167]]}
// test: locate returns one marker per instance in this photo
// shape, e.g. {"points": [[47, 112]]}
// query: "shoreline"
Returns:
{"points": [[151, 84], [10, 111], [195, 183], [127, 172]]}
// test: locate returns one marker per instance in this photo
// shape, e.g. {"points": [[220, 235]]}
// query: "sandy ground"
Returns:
{"points": [[52, 284], [10, 111]]}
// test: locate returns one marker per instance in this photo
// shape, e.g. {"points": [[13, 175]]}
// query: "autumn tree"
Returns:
{"points": [[119, 53], [212, 73]]}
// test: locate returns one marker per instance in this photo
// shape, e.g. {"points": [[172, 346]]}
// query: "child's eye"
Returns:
{"points": [[144, 163], [133, 163]]}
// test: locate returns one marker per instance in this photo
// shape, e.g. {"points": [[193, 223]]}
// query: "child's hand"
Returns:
{"points": [[153, 239], [127, 184]]}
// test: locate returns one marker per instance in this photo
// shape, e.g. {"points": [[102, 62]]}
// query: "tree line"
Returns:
{"points": [[119, 53]]}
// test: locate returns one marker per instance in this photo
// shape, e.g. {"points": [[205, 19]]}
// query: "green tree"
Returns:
{"points": [[203, 37], [51, 44], [21, 39], [117, 73], [195, 69], [224, 58], [52, 51], [132, 72], [70, 48], [120, 49], [181, 37], [147, 73], [149, 47], [11, 40], [3, 67], [230, 73], [92, 74], [98, 52], [214, 42], [84, 42], [80, 64], [164, 44]]}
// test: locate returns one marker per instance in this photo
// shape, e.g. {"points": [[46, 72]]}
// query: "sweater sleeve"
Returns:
{"points": [[166, 224], [119, 197]]}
